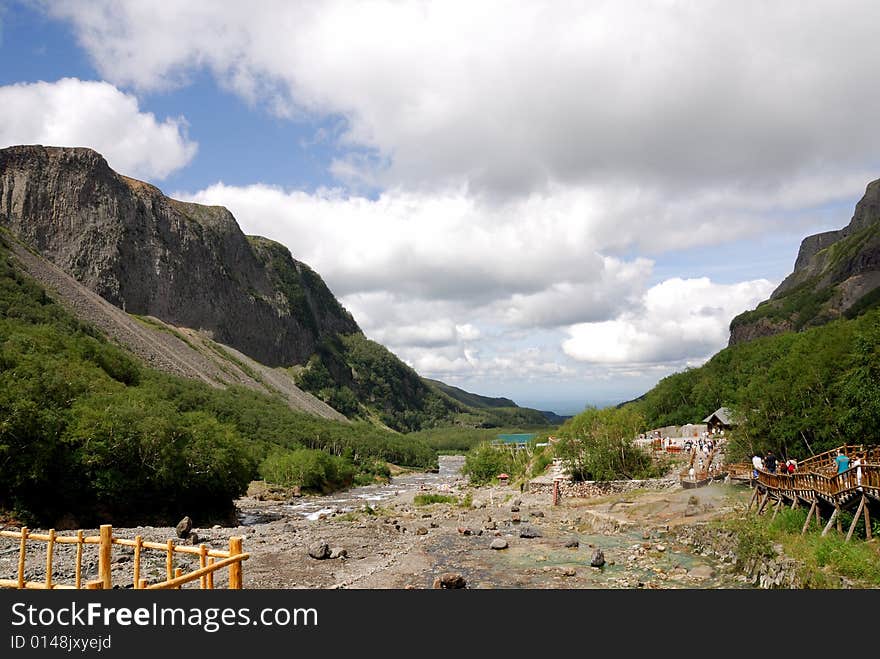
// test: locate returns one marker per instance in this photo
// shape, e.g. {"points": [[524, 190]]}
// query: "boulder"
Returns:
{"points": [[529, 532], [572, 543], [184, 526], [536, 513], [450, 581], [498, 543], [338, 552], [701, 572], [598, 559], [319, 550], [421, 531]]}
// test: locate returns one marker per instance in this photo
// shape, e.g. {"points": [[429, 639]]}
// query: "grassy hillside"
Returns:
{"points": [[799, 393], [87, 430]]}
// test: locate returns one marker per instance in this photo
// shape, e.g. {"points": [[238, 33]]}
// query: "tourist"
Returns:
{"points": [[770, 462], [758, 465], [842, 461], [857, 463], [790, 466]]}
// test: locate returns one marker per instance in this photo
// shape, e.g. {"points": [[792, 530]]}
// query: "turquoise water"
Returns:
{"points": [[517, 438]]}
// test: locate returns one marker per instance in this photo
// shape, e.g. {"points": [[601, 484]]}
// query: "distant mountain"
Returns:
{"points": [[467, 398], [836, 275], [492, 412], [553, 418]]}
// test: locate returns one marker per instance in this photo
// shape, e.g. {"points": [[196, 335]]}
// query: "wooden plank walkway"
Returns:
{"points": [[817, 485]]}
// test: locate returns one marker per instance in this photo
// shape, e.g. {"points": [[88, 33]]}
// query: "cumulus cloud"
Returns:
{"points": [[72, 112], [508, 98], [680, 320]]}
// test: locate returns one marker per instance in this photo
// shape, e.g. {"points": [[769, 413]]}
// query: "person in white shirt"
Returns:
{"points": [[757, 463]]}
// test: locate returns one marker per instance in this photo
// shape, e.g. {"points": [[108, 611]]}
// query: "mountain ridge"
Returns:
{"points": [[836, 274]]}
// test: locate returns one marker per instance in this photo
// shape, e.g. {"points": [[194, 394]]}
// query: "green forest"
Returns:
{"points": [[797, 393], [87, 431]]}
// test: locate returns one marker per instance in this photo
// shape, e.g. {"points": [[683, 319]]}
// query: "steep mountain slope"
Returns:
{"points": [[188, 264], [179, 351], [836, 274]]}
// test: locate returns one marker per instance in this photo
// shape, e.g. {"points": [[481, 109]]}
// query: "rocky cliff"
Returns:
{"points": [[836, 274], [187, 264]]}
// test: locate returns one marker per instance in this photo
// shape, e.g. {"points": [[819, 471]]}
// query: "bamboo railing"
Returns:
{"points": [[174, 576]]}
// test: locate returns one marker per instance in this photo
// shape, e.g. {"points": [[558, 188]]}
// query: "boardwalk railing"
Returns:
{"points": [[817, 484], [210, 561]]}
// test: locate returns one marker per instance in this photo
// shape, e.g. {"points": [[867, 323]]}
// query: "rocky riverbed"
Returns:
{"points": [[379, 538]]}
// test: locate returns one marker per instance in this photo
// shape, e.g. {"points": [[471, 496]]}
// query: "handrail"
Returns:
{"points": [[231, 559]]}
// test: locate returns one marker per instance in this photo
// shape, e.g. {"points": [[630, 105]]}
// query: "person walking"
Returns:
{"points": [[757, 463], [842, 461], [770, 462]]}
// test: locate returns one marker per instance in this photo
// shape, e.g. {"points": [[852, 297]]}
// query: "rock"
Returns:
{"points": [[184, 526], [568, 572], [701, 572], [515, 519], [514, 509], [572, 543], [598, 559], [338, 552], [464, 530], [536, 513], [491, 526], [193, 538], [529, 532], [216, 526], [434, 525], [421, 531], [660, 548], [498, 543], [450, 581], [319, 550], [516, 502], [690, 511]]}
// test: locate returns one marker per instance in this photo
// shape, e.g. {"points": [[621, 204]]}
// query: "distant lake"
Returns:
{"points": [[517, 438]]}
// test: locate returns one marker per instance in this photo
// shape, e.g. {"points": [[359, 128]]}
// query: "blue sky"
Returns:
{"points": [[559, 203]]}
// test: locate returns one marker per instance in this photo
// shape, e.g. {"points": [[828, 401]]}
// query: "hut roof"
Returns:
{"points": [[723, 414]]}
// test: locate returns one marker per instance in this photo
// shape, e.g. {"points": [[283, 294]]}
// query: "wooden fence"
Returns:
{"points": [[210, 561]]}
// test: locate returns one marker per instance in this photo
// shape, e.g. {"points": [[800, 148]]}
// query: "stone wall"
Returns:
{"points": [[601, 488]]}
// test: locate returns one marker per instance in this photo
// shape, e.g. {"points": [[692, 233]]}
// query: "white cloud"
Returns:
{"points": [[680, 320], [508, 98], [72, 112]]}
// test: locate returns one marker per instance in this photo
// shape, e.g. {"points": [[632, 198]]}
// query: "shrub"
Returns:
{"points": [[428, 499]]}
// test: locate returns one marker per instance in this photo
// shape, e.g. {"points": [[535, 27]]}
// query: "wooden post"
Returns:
{"points": [[555, 492], [830, 522], [50, 549], [852, 527], [752, 500], [209, 578], [764, 502], [142, 584], [776, 509], [169, 560], [203, 562], [136, 580], [235, 580], [794, 502], [809, 516], [97, 584], [839, 521], [868, 532], [22, 552], [79, 559], [104, 555], [178, 572]]}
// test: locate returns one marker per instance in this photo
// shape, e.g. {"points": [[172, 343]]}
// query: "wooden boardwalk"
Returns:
{"points": [[817, 485]]}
